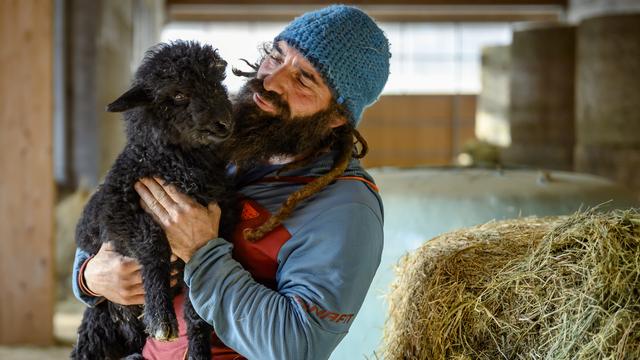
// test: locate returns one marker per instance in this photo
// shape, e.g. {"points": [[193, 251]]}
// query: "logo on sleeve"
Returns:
{"points": [[323, 314]]}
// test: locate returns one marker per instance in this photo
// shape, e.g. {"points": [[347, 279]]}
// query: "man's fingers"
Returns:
{"points": [[132, 289], [151, 205], [158, 192], [133, 300], [148, 211], [135, 277], [178, 197]]}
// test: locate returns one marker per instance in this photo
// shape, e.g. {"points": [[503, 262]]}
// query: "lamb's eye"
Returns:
{"points": [[180, 97]]}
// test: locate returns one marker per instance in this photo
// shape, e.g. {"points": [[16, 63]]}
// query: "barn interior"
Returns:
{"points": [[494, 110]]}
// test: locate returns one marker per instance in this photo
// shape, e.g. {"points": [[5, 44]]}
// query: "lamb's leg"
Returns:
{"points": [[198, 331], [154, 254], [159, 316]]}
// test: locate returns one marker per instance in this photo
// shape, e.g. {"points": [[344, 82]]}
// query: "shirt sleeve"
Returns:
{"points": [[81, 257], [324, 273]]}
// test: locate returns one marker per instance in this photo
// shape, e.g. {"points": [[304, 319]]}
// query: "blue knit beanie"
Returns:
{"points": [[350, 51]]}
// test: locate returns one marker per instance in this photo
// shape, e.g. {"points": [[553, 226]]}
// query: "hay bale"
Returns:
{"points": [[550, 288]]}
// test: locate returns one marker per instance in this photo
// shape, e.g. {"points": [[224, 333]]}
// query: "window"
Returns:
{"points": [[427, 58]]}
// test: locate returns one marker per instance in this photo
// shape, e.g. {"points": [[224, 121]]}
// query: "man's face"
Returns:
{"points": [[299, 85], [285, 109]]}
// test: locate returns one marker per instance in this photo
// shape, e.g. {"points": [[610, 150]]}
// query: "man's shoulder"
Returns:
{"points": [[350, 190], [344, 195]]}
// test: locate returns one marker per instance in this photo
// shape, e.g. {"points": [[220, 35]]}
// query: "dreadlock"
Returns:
{"points": [[264, 50], [343, 141]]}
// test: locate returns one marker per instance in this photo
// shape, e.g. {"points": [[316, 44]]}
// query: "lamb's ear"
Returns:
{"points": [[136, 96]]}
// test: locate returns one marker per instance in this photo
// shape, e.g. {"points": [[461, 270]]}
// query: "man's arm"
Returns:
{"points": [[325, 271]]}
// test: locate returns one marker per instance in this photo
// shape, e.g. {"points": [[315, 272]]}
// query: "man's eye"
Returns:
{"points": [[276, 58], [302, 82]]}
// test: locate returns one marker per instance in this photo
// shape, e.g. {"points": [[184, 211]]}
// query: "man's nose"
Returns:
{"points": [[278, 79]]}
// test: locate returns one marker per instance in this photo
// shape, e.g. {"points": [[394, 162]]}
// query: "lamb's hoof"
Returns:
{"points": [[164, 331]]}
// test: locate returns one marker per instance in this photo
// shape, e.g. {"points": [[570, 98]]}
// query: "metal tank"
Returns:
{"points": [[608, 98], [422, 203], [541, 105]]}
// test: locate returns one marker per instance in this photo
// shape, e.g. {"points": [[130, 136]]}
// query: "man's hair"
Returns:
{"points": [[345, 140], [264, 49]]}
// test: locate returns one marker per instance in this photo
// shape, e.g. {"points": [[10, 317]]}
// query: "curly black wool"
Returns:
{"points": [[177, 113]]}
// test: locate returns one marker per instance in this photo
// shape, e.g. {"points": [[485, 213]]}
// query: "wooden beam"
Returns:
{"points": [[235, 14], [383, 13], [372, 2], [26, 172]]}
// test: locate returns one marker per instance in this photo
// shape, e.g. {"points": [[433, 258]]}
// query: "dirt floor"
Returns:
{"points": [[33, 353], [65, 323]]}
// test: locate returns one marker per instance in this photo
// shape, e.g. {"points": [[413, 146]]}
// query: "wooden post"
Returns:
{"points": [[26, 172]]}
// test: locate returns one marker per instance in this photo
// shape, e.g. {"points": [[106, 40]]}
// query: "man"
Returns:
{"points": [[290, 281]]}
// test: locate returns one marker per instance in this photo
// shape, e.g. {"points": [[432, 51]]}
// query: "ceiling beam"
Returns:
{"points": [[200, 10], [373, 2]]}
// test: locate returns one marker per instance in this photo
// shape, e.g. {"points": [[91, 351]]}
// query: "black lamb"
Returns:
{"points": [[177, 113]]}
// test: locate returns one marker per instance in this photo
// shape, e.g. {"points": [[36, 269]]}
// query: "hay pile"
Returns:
{"points": [[552, 288]]}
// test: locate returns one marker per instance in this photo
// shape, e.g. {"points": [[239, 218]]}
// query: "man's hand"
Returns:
{"points": [[187, 224], [116, 277]]}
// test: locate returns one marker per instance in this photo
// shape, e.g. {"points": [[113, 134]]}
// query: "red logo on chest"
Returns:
{"points": [[248, 212]]}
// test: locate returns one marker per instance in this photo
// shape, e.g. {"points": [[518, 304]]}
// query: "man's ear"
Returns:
{"points": [[134, 97], [337, 121]]}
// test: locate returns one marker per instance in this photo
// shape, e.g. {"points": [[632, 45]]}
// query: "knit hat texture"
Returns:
{"points": [[350, 51]]}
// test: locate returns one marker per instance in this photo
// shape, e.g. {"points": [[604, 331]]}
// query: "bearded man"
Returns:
{"points": [[290, 282]]}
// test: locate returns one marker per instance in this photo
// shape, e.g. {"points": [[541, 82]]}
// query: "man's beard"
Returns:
{"points": [[259, 136]]}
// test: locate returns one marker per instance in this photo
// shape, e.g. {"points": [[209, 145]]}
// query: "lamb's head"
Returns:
{"points": [[177, 97]]}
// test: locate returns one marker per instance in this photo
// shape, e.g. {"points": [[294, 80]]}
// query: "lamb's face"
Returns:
{"points": [[180, 87]]}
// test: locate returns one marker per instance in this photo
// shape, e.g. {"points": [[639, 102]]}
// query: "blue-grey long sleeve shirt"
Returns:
{"points": [[324, 270]]}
